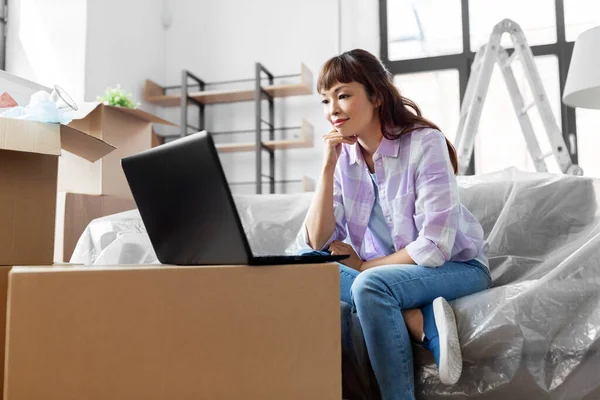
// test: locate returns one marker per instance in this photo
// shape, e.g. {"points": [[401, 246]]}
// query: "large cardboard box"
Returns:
{"points": [[74, 211], [29, 153], [168, 332], [4, 271], [129, 130]]}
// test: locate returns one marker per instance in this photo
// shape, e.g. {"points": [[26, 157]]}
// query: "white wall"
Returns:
{"points": [[46, 43], [125, 45], [86, 46], [222, 41], [103, 43]]}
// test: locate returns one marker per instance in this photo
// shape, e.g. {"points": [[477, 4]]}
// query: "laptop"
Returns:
{"points": [[184, 200]]}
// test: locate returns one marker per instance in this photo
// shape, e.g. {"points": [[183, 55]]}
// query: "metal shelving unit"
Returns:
{"points": [[200, 97]]}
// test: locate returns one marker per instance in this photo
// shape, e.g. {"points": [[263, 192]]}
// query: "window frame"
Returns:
{"points": [[3, 32], [562, 49]]}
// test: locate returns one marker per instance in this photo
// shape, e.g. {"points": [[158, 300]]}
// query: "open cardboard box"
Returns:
{"points": [[169, 332], [98, 184], [29, 153], [88, 191], [129, 130]]}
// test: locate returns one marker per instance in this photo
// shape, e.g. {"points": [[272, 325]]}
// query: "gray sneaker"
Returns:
{"points": [[441, 338]]}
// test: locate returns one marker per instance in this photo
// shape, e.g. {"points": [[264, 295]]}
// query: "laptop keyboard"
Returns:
{"points": [[274, 259], [305, 259]]}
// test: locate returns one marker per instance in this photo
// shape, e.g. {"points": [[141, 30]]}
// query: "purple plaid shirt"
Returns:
{"points": [[419, 198]]}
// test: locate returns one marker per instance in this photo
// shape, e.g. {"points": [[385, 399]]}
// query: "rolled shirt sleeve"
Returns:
{"points": [[437, 204]]}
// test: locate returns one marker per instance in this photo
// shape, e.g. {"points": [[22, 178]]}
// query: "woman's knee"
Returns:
{"points": [[367, 284]]}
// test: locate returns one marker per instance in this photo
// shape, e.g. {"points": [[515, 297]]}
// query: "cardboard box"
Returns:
{"points": [[129, 130], [74, 211], [167, 332], [29, 153], [4, 271]]}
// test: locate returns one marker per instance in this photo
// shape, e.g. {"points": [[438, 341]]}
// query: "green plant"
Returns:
{"points": [[118, 97]]}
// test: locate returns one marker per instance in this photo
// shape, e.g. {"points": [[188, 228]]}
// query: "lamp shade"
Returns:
{"points": [[582, 88]]}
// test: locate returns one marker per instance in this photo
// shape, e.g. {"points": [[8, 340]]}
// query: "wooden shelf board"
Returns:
{"points": [[272, 144], [229, 96], [165, 101], [152, 92]]}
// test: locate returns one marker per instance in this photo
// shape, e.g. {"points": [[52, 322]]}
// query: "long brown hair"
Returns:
{"points": [[398, 115]]}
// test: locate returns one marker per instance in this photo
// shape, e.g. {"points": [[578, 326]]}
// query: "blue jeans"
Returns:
{"points": [[378, 296]]}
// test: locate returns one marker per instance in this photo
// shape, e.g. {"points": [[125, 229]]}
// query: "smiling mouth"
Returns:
{"points": [[339, 122]]}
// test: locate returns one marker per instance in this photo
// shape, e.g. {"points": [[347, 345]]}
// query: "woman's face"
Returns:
{"points": [[348, 108]]}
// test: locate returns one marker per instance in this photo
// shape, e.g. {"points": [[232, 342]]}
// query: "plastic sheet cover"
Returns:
{"points": [[535, 334], [271, 223]]}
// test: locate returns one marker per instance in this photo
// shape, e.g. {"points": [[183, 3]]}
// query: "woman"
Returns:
{"points": [[388, 184]]}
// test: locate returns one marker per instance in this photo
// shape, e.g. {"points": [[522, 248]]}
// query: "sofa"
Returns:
{"points": [[534, 335]]}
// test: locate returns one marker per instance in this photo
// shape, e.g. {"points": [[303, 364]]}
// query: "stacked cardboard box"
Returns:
{"points": [[100, 186], [147, 332], [142, 332], [129, 130], [29, 153], [167, 332], [95, 190]]}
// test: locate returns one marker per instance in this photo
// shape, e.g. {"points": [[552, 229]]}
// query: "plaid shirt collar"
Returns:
{"points": [[388, 148]]}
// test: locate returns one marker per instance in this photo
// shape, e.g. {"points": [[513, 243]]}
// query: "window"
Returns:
{"points": [[437, 95], [414, 28], [500, 142], [580, 15], [3, 29], [428, 73], [537, 18]]}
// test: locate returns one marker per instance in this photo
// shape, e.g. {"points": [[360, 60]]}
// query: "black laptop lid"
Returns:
{"points": [[186, 205]]}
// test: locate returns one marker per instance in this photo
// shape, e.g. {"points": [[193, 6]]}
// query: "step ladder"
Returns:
{"points": [[493, 53]]}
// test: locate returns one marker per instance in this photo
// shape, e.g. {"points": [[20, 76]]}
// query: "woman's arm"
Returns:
{"points": [[325, 218], [437, 206], [399, 257], [320, 219]]}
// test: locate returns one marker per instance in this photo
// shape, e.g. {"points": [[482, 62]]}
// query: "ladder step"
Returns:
{"points": [[510, 59], [527, 107], [544, 156]]}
